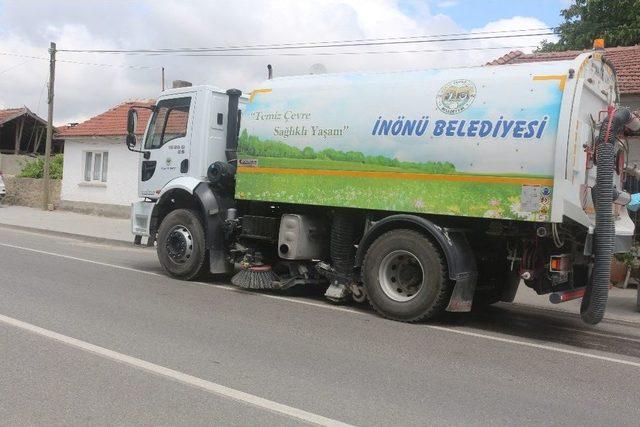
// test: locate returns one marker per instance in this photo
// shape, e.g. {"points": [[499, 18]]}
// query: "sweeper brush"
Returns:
{"points": [[256, 277]]}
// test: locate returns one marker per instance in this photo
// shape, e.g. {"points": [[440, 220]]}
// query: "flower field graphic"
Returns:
{"points": [[287, 174]]}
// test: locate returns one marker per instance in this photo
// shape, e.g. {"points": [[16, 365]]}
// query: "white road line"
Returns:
{"points": [[217, 285], [535, 345], [178, 376], [105, 264], [326, 306], [337, 308]]}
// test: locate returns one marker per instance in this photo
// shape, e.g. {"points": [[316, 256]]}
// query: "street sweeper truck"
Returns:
{"points": [[419, 192]]}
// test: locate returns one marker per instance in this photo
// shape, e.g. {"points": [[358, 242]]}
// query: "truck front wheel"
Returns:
{"points": [[181, 244], [405, 277]]}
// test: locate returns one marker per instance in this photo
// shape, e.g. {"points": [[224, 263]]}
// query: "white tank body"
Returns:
{"points": [[493, 141]]}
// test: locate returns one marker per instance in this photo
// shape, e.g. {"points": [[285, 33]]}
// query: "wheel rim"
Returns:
{"points": [[401, 275], [179, 244]]}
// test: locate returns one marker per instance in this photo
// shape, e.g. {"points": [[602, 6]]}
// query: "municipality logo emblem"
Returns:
{"points": [[456, 96]]}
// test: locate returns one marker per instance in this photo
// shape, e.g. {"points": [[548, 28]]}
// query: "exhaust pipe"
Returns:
{"points": [[233, 130], [596, 293]]}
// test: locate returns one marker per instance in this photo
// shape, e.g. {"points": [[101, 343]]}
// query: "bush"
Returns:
{"points": [[35, 169]]}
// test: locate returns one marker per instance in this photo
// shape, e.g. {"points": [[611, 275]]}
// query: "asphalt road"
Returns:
{"points": [[96, 334]]}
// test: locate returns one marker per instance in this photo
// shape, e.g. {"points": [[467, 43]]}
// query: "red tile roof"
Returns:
{"points": [[626, 59], [10, 114], [13, 113], [110, 123]]}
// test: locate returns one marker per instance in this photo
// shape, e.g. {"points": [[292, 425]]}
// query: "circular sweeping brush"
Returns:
{"points": [[255, 277]]}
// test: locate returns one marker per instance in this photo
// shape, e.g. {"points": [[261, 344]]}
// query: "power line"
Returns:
{"points": [[205, 54], [135, 67], [315, 45], [14, 66], [17, 55], [371, 52], [286, 54]]}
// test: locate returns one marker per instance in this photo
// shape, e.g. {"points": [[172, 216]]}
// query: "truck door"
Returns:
{"points": [[168, 143]]}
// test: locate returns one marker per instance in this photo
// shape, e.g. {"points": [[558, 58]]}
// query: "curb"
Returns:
{"points": [[84, 237]]}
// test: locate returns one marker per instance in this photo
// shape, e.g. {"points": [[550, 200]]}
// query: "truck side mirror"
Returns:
{"points": [[132, 124], [130, 140], [132, 121]]}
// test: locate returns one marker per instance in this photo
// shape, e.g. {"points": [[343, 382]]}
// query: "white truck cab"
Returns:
{"points": [[177, 121], [169, 157]]}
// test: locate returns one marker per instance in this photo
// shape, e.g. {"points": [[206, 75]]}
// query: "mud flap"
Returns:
{"points": [[511, 287], [462, 296], [218, 263], [462, 269], [214, 207]]}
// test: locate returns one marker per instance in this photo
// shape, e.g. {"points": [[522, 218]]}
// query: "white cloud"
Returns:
{"points": [[513, 25], [447, 3], [26, 27]]}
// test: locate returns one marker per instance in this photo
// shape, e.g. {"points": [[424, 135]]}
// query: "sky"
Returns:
{"points": [[101, 81]]}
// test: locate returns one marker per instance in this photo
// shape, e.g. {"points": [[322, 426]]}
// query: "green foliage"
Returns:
{"points": [[400, 195], [35, 168], [616, 21], [249, 145], [631, 258]]}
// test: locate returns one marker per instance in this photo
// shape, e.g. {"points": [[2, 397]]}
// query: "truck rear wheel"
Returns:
{"points": [[181, 245], [405, 276]]}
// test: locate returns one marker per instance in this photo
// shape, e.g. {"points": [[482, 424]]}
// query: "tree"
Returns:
{"points": [[35, 168], [615, 21], [308, 153]]}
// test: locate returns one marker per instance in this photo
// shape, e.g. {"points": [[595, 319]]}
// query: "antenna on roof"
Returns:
{"points": [[269, 71], [317, 69]]}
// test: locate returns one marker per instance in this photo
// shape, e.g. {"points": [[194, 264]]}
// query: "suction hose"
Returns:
{"points": [[342, 249], [594, 301]]}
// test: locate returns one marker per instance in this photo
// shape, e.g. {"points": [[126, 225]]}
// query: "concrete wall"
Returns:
{"points": [[121, 188], [11, 164], [28, 191]]}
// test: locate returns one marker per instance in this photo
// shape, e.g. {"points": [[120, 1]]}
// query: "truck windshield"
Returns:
{"points": [[169, 122]]}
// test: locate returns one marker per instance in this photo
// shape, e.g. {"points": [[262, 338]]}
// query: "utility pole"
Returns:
{"points": [[47, 148], [163, 79]]}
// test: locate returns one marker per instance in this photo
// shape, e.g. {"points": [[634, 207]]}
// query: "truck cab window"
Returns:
{"points": [[169, 122]]}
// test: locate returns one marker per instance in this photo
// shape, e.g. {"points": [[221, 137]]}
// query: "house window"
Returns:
{"points": [[96, 165]]}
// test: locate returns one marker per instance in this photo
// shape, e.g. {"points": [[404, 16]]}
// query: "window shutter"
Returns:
{"points": [[105, 165], [97, 166], [87, 165]]}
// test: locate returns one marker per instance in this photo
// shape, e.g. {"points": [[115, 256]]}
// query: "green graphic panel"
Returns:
{"points": [[402, 195]]}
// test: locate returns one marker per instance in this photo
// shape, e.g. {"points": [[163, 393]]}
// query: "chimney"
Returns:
{"points": [[181, 83]]}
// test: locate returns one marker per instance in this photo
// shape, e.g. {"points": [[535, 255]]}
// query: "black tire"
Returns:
{"points": [[194, 262], [435, 290]]}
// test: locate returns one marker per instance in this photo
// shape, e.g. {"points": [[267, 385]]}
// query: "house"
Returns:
{"points": [[22, 134], [22, 131], [625, 59], [100, 174]]}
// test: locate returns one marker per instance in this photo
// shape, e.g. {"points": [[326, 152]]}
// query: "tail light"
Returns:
{"points": [[560, 263]]}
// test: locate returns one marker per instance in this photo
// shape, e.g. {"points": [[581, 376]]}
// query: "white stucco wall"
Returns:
{"points": [[121, 187]]}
